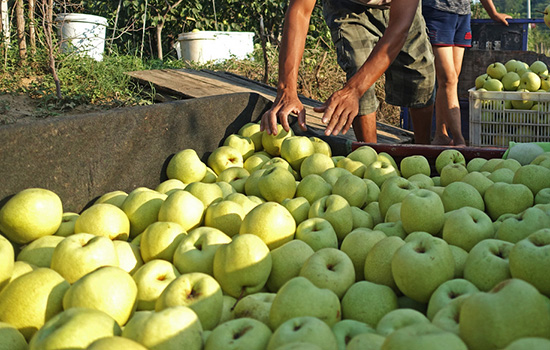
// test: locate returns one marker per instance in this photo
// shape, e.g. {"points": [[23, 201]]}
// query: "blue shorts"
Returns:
{"points": [[447, 29]]}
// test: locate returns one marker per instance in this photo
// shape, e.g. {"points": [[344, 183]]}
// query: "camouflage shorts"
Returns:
{"points": [[356, 29]]}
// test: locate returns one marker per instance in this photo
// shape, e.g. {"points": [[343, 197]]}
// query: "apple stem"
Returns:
{"points": [[238, 299]]}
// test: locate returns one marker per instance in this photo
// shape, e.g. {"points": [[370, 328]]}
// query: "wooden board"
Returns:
{"points": [[188, 83]]}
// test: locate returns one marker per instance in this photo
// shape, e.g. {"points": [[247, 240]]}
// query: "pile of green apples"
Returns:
{"points": [[276, 243]]}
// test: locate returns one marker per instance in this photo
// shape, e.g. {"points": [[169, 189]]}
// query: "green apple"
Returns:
{"points": [[230, 187], [394, 228], [373, 208], [368, 302], [373, 191], [330, 268], [252, 131], [7, 254], [271, 222], [298, 207], [513, 309], [423, 337], [393, 191], [109, 289], [400, 318], [422, 210], [536, 177], [75, 328], [317, 163], [528, 260], [347, 329], [467, 226], [511, 81], [393, 214], [183, 208], [509, 163], [243, 144], [361, 218], [173, 328], [492, 84], [475, 164], [295, 149], [32, 299], [366, 341], [384, 156], [318, 233], [186, 166], [525, 103], [352, 188], [277, 184], [487, 263], [12, 339], [416, 164], [421, 265], [30, 214], [151, 279], [104, 219], [452, 172], [115, 342], [225, 215], [512, 65], [365, 154], [242, 266], [379, 171], [272, 143], [496, 70], [543, 196], [313, 187], [160, 239], [300, 297], [287, 260], [228, 307], [448, 291], [281, 163], [68, 221], [78, 254], [448, 156], [378, 261], [142, 208], [248, 202], [520, 226], [198, 291], [478, 180], [255, 161], [480, 80], [502, 175], [357, 244], [530, 81], [256, 306], [224, 157], [241, 333], [234, 176], [530, 343], [460, 194], [336, 210], [331, 175], [448, 316], [355, 167], [251, 184], [306, 329], [129, 256], [116, 197], [497, 199], [321, 146]]}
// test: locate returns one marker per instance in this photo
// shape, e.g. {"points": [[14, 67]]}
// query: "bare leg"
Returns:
{"points": [[422, 124], [364, 127], [448, 63]]}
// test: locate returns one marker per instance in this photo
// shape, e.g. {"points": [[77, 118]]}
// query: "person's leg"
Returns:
{"points": [[422, 124], [364, 127]]}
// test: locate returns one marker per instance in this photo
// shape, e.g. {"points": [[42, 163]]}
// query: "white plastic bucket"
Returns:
{"points": [[82, 33], [205, 46]]}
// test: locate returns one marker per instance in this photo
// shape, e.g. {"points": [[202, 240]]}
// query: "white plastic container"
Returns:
{"points": [[82, 33], [206, 46]]}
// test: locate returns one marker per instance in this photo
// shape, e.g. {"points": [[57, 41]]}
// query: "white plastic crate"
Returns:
{"points": [[493, 122]]}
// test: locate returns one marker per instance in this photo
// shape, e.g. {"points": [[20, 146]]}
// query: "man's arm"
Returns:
{"points": [[493, 13]]}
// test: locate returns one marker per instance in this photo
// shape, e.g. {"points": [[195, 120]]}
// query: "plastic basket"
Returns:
{"points": [[494, 122]]}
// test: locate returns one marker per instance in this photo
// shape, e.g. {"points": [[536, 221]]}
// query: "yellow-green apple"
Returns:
{"points": [[241, 333], [186, 166], [12, 339], [317, 163], [448, 316], [509, 163], [530, 81], [487, 263], [357, 245], [373, 208], [368, 302], [393, 214], [104, 219], [502, 175], [115, 342], [352, 188], [243, 144], [525, 103], [331, 175], [242, 266], [272, 143], [295, 149], [513, 309], [300, 297], [228, 307], [492, 84], [392, 228], [276, 184], [393, 191], [67, 224], [422, 210], [225, 215], [281, 163], [373, 191], [252, 131], [460, 194], [336, 210], [378, 261], [519, 226], [421, 180], [321, 146], [449, 156], [497, 199], [173, 328], [400, 318], [365, 154], [7, 257], [160, 240], [478, 180], [142, 207], [115, 197], [529, 260], [195, 252], [475, 164], [451, 173], [255, 306], [446, 292], [287, 260], [379, 171], [129, 256], [109, 289], [365, 341], [248, 202], [75, 328], [513, 65], [151, 279], [32, 299], [183, 208], [210, 176], [421, 265], [271, 222], [255, 162], [496, 70], [298, 208], [39, 252], [224, 157], [467, 226], [198, 291], [306, 329], [531, 343], [318, 233], [511, 81], [206, 192], [330, 268], [355, 167], [480, 80], [78, 254], [384, 156], [29, 214], [536, 177], [423, 337], [251, 184], [416, 164], [347, 329], [227, 188], [20, 268], [361, 218]]}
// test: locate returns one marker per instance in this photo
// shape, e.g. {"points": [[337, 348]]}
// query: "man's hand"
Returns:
{"points": [[339, 111], [284, 105]]}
